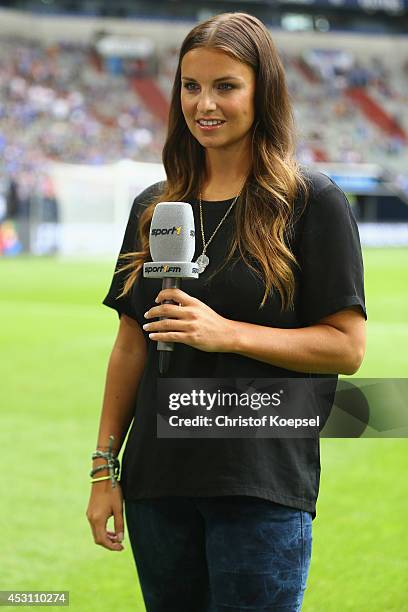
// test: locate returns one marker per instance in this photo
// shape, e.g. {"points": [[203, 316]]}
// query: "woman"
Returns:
{"points": [[221, 524]]}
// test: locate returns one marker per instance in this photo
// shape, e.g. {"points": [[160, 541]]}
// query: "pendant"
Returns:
{"points": [[202, 262]]}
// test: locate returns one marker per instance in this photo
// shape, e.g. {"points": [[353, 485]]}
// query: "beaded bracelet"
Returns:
{"points": [[103, 466], [113, 462]]}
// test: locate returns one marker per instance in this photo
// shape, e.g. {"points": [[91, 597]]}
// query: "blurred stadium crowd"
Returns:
{"points": [[56, 103], [62, 103]]}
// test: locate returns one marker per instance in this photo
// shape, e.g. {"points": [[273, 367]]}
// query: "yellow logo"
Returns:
{"points": [[178, 229]]}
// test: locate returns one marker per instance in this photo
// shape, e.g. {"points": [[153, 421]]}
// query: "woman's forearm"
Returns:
{"points": [[315, 349], [123, 374]]}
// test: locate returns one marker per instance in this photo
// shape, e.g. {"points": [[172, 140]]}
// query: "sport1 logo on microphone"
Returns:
{"points": [[166, 269], [159, 231]]}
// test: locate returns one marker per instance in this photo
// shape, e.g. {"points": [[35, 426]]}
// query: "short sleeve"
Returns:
{"points": [[125, 304], [332, 271]]}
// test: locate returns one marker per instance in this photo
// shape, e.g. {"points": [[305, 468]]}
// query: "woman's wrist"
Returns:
{"points": [[232, 337], [105, 464]]}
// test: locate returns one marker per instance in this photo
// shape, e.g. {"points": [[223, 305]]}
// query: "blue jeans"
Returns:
{"points": [[219, 554]]}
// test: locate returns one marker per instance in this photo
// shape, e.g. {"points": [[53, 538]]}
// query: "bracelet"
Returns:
{"points": [[98, 469], [101, 478], [113, 462], [113, 468]]}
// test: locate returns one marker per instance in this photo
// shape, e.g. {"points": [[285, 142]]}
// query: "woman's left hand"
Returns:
{"points": [[194, 323]]}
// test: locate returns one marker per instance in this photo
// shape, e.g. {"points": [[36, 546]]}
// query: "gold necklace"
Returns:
{"points": [[203, 259]]}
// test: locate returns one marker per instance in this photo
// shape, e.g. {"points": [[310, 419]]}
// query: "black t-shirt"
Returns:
{"points": [[287, 471]]}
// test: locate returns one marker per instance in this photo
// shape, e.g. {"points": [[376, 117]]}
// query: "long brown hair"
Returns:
{"points": [[264, 212]]}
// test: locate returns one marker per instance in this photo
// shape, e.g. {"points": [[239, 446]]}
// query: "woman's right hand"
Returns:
{"points": [[104, 502]]}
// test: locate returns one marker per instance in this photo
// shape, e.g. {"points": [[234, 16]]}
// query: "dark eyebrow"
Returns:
{"points": [[224, 78]]}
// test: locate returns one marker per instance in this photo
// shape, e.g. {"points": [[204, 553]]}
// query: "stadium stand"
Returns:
{"points": [[48, 108], [64, 102]]}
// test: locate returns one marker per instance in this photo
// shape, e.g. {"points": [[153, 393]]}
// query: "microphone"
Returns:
{"points": [[172, 247]]}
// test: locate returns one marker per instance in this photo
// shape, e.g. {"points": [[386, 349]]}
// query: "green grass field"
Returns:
{"points": [[56, 338]]}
